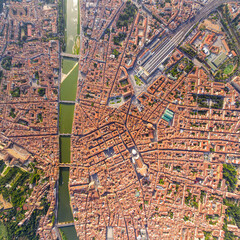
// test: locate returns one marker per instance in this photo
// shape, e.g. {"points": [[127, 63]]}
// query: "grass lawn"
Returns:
{"points": [[6, 170], [228, 69]]}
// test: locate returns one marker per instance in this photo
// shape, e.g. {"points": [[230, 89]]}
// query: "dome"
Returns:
{"points": [[134, 152]]}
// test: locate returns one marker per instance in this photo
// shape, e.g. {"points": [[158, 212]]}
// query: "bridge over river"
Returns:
{"points": [[64, 224], [67, 102], [69, 55]]}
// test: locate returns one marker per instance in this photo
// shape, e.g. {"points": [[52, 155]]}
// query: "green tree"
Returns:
{"points": [[229, 174], [41, 92]]}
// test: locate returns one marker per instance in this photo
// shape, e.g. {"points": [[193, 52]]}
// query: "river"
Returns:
{"points": [[68, 89], [71, 18]]}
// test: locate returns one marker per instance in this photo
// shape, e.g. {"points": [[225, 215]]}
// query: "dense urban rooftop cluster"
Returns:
{"points": [[172, 13], [155, 148], [150, 151], [29, 99]]}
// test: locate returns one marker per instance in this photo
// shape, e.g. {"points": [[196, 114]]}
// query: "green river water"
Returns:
{"points": [[69, 85], [67, 93], [67, 65], [65, 149], [66, 117], [64, 209], [70, 233]]}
